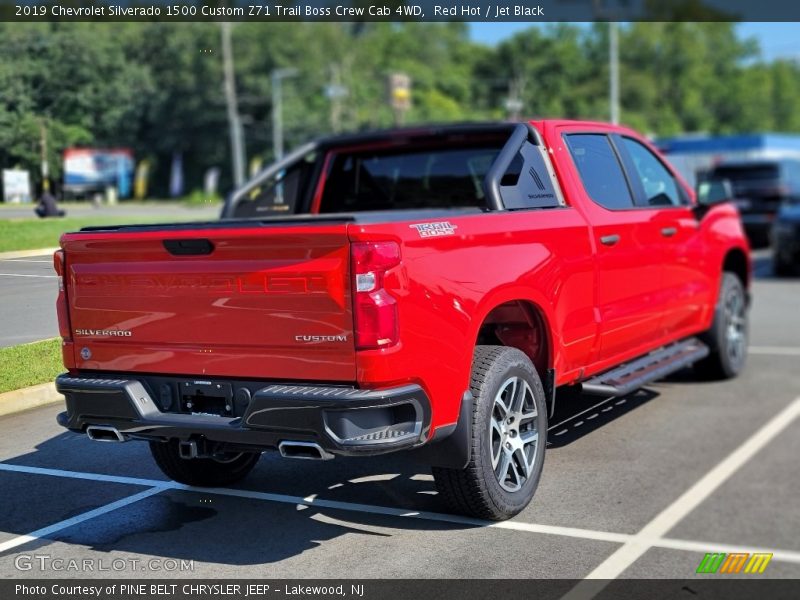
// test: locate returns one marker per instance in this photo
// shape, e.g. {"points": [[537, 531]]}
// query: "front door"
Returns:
{"points": [[629, 261]]}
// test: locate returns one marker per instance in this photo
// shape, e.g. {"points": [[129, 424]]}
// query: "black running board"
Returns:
{"points": [[633, 375]]}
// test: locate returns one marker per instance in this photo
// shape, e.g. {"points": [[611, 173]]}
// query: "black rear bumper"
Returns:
{"points": [[342, 420]]}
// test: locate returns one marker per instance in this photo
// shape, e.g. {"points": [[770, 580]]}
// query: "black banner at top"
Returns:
{"points": [[400, 10]]}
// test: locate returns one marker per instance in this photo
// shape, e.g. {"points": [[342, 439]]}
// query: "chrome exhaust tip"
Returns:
{"points": [[103, 433], [303, 451]]}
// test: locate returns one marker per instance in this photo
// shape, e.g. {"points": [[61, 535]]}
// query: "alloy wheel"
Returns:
{"points": [[513, 434]]}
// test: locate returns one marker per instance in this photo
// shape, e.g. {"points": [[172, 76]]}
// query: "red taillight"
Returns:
{"points": [[61, 301], [375, 310]]}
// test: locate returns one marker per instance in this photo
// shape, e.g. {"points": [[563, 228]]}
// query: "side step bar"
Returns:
{"points": [[633, 375]]}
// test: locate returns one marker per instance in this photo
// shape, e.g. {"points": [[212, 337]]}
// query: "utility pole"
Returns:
{"points": [[234, 121], [336, 93], [613, 71], [278, 75], [399, 96], [514, 104]]}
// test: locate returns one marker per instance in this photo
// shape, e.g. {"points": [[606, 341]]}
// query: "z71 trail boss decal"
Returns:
{"points": [[435, 229]]}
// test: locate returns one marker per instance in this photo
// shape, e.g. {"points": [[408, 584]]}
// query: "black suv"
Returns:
{"points": [[759, 189], [786, 239]]}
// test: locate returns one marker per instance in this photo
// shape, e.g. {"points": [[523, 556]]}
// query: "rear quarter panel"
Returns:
{"points": [[447, 285]]}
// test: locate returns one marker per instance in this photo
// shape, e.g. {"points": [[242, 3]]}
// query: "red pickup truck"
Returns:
{"points": [[422, 289]]}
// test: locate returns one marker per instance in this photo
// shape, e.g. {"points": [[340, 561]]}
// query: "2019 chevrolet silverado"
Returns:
{"points": [[424, 290]]}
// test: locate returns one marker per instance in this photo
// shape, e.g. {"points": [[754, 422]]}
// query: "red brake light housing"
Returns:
{"points": [[374, 309], [59, 264]]}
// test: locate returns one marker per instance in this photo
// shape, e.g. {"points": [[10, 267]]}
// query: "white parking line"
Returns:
{"points": [[789, 556], [633, 549], [25, 260], [102, 510], [157, 485], [776, 350], [575, 532], [22, 275], [90, 476]]}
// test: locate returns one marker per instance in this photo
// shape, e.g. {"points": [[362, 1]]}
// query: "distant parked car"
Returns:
{"points": [[759, 188], [786, 238]]}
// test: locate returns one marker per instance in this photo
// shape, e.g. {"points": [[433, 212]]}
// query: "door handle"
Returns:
{"points": [[669, 231], [609, 240]]}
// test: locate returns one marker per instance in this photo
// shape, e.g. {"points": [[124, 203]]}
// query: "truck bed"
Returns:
{"points": [[371, 217]]}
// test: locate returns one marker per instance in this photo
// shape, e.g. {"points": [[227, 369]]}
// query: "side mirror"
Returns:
{"points": [[713, 191]]}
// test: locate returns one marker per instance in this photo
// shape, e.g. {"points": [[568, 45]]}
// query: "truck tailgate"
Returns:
{"points": [[267, 302]]}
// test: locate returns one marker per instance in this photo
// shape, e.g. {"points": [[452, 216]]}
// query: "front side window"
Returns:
{"points": [[600, 170], [658, 184]]}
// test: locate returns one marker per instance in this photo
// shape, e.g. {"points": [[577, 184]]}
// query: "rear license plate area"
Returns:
{"points": [[207, 398]]}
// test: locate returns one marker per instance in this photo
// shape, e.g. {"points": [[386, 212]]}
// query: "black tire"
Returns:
{"points": [[204, 472], [728, 349], [476, 490]]}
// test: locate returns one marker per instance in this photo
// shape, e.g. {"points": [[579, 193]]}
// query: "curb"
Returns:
{"points": [[26, 253], [29, 397]]}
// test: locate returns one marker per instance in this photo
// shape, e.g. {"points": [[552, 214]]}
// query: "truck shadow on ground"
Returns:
{"points": [[219, 529], [577, 415], [214, 528]]}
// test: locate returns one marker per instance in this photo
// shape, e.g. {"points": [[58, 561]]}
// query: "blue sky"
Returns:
{"points": [[777, 40]]}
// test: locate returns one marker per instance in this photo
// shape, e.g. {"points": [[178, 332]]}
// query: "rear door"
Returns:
{"points": [[253, 300], [628, 259]]}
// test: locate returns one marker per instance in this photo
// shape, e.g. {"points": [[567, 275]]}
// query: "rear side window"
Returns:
{"points": [[600, 170], [280, 194], [408, 178]]}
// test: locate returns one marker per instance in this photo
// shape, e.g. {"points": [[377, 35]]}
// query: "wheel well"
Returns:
{"points": [[736, 263], [518, 324]]}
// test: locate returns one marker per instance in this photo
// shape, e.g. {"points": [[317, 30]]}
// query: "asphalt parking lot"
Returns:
{"points": [[634, 487], [28, 290]]}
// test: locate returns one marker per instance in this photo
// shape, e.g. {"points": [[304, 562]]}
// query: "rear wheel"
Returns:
{"points": [[728, 335], [221, 470], [509, 434]]}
